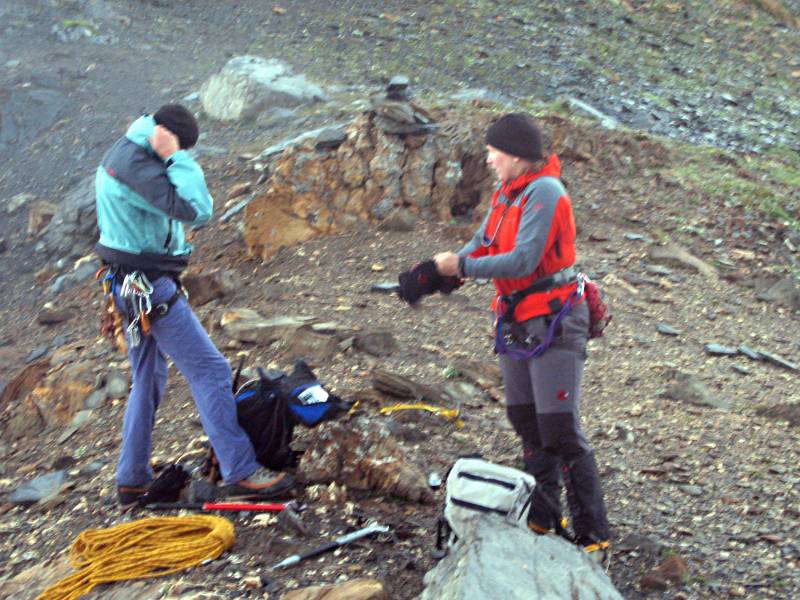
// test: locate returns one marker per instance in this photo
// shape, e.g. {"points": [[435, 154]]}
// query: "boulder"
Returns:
{"points": [[246, 325], [785, 292], [362, 454], [73, 228], [16, 202], [789, 412], [672, 571], [494, 559], [674, 255], [376, 343], [398, 220], [357, 589], [43, 397], [690, 389], [63, 392], [25, 418], [779, 11], [39, 489], [39, 216], [247, 85], [316, 348], [203, 287], [50, 315]]}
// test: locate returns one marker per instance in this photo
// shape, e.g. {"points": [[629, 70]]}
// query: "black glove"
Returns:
{"points": [[450, 284], [167, 487], [424, 279]]}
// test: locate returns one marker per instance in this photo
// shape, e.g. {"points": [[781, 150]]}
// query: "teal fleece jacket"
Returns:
{"points": [[143, 202]]}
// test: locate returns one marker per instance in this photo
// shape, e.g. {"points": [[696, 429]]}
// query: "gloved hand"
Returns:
{"points": [[422, 280], [450, 284]]}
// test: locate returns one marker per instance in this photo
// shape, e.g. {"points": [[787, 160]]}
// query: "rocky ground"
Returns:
{"points": [[692, 462]]}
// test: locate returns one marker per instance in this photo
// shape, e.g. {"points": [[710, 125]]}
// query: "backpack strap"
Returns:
{"points": [[235, 385]]}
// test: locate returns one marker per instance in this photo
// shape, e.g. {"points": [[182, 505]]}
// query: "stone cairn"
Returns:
{"points": [[395, 157]]}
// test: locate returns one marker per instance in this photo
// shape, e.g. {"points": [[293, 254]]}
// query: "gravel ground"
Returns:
{"points": [[718, 487]]}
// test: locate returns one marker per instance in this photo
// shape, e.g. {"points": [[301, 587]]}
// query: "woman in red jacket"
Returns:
{"points": [[526, 244]]}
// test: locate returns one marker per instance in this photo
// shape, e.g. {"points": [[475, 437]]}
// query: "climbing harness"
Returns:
{"points": [[136, 289], [506, 340]]}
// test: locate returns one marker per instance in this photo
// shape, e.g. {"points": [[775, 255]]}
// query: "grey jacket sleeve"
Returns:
{"points": [[534, 228]]}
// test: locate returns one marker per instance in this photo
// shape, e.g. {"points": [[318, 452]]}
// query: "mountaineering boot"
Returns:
{"points": [[128, 496], [264, 483], [545, 512], [585, 499]]}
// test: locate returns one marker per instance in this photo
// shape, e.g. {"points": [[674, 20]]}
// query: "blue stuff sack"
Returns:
{"points": [[308, 401]]}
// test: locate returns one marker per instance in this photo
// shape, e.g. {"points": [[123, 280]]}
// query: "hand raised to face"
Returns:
{"points": [[163, 142]]}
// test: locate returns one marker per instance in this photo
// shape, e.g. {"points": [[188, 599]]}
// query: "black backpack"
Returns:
{"points": [[270, 407], [263, 413]]}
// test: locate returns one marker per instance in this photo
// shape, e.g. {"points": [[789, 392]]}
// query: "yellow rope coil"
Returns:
{"points": [[145, 548], [451, 414]]}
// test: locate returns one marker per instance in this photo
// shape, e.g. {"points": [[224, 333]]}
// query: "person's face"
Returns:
{"points": [[504, 165]]}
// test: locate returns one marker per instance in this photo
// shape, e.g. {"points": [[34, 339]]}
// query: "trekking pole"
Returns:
{"points": [[338, 542]]}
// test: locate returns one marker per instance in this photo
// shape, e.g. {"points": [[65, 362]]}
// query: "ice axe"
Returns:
{"points": [[288, 512], [385, 288], [338, 542]]}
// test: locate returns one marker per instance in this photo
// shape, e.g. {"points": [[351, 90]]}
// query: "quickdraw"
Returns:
{"points": [[112, 325], [136, 288]]}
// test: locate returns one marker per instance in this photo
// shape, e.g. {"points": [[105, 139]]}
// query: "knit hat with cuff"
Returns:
{"points": [[516, 134], [180, 121]]}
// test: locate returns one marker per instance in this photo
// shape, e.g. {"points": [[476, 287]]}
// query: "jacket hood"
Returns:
{"points": [[552, 167], [140, 131]]}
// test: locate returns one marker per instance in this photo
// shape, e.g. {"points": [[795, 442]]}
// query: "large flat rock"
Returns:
{"points": [[497, 560]]}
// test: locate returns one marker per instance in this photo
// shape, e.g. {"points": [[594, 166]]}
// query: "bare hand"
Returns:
{"points": [[446, 263], [164, 142]]}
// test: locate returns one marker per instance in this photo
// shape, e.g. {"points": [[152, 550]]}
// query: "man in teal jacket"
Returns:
{"points": [[147, 188]]}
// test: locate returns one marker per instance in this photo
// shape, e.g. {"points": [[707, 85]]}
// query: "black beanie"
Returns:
{"points": [[180, 121], [516, 134]]}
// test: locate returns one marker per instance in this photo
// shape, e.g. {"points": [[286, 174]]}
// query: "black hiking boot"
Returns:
{"points": [[545, 513], [128, 496], [585, 499]]}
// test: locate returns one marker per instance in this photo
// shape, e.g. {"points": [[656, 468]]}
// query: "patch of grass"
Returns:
{"points": [[658, 100], [668, 553], [765, 184]]}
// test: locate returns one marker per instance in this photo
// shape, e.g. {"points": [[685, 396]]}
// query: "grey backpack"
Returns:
{"points": [[476, 486]]}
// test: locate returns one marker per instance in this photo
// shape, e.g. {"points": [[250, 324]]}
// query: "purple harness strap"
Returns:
{"points": [[518, 353]]}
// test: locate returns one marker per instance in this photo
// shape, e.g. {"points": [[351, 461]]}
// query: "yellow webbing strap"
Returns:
{"points": [[145, 548], [451, 414]]}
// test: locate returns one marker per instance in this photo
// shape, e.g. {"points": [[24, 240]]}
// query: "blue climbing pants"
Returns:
{"points": [[180, 336]]}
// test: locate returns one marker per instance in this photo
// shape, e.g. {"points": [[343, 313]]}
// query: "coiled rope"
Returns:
{"points": [[150, 547]]}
